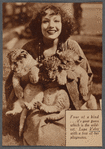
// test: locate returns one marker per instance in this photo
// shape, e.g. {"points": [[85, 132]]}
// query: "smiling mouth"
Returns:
{"points": [[51, 31]]}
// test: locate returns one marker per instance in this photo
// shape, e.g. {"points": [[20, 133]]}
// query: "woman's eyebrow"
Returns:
{"points": [[56, 17], [45, 18], [48, 18]]}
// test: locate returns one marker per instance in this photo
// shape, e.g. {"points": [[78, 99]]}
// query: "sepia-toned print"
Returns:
{"points": [[52, 74]]}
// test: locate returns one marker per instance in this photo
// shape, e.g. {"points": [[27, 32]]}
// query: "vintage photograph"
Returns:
{"points": [[52, 67]]}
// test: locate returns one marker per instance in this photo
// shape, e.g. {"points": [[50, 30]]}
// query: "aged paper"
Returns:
{"points": [[84, 128], [78, 127]]}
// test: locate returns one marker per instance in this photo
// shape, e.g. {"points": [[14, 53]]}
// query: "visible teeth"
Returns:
{"points": [[51, 32]]}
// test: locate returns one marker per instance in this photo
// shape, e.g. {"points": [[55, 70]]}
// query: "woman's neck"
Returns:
{"points": [[50, 47], [50, 43]]}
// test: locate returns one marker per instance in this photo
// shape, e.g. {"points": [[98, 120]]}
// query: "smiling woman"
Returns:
{"points": [[51, 25], [51, 29], [60, 17]]}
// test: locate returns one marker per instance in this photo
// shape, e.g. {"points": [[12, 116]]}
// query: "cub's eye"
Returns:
{"points": [[20, 61], [14, 63]]}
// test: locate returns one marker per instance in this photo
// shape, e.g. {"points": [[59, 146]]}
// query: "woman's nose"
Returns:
{"points": [[51, 23]]}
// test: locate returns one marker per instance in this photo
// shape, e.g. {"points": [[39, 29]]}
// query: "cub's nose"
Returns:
{"points": [[12, 67]]}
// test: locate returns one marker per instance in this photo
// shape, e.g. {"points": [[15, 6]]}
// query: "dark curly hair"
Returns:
{"points": [[67, 24]]}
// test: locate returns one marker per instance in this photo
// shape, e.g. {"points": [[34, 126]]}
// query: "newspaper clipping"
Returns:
{"points": [[84, 128], [52, 74]]}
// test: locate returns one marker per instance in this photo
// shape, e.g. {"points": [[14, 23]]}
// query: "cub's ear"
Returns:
{"points": [[78, 59], [59, 53], [10, 54], [24, 53]]}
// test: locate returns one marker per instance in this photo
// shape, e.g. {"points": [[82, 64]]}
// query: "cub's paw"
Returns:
{"points": [[9, 113], [38, 105], [18, 91], [34, 79], [62, 78], [84, 91], [84, 106], [42, 106], [71, 75], [13, 112], [62, 81], [85, 98], [34, 75], [29, 106]]}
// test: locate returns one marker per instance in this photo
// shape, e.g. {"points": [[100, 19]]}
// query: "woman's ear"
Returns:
{"points": [[78, 59]]}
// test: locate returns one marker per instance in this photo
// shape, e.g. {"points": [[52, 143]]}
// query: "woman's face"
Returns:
{"points": [[51, 25]]}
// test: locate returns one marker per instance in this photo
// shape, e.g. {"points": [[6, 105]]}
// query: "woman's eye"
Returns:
{"points": [[56, 21], [45, 21]]}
